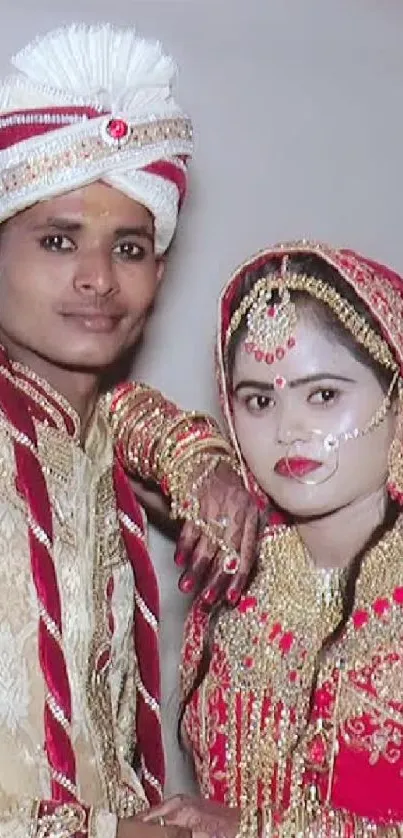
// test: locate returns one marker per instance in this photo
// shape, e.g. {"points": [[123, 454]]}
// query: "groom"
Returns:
{"points": [[93, 169]]}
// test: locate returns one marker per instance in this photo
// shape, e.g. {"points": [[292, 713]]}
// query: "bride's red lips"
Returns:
{"points": [[296, 466]]}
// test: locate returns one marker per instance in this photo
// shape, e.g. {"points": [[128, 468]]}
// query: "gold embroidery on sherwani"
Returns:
{"points": [[109, 555], [87, 550]]}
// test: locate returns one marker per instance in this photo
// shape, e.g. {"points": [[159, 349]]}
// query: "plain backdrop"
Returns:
{"points": [[297, 106]]}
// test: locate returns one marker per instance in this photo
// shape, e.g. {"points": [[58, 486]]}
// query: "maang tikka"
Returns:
{"points": [[270, 326]]}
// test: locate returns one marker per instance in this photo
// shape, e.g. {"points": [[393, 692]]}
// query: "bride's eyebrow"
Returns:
{"points": [[320, 376], [268, 387]]}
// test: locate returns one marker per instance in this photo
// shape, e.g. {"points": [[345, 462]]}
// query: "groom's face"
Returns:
{"points": [[78, 275]]}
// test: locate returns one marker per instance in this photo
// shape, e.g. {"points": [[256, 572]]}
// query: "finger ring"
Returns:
{"points": [[231, 563]]}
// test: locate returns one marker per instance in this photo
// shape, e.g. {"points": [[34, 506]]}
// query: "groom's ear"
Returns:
{"points": [[161, 265]]}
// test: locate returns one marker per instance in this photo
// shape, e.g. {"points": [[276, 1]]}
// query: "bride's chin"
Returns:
{"points": [[303, 509]]}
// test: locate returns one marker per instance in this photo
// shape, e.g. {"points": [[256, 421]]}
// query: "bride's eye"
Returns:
{"points": [[258, 403], [323, 396]]}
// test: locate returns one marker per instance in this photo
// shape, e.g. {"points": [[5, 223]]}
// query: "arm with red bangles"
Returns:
{"points": [[185, 456]]}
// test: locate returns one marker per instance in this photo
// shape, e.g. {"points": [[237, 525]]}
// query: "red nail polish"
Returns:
{"points": [[180, 559], [233, 596], [209, 596], [186, 585]]}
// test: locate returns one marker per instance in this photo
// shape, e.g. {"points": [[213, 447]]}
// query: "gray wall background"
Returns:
{"points": [[297, 106]]}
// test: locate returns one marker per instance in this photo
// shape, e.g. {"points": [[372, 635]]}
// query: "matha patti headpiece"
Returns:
{"points": [[271, 325]]}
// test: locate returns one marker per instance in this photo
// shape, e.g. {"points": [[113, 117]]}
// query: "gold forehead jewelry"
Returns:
{"points": [[261, 323], [270, 325]]}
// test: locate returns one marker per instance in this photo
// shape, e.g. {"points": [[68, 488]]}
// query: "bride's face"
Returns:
{"points": [[284, 412]]}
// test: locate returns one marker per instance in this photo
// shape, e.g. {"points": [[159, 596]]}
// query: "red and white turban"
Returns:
{"points": [[94, 103]]}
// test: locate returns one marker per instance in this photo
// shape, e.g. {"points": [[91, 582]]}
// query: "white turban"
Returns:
{"points": [[94, 103]]}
